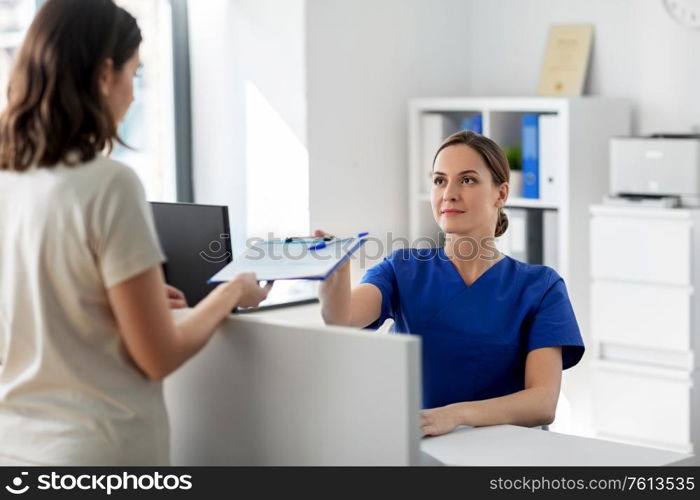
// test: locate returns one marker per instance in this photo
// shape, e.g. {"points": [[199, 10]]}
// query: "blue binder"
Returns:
{"points": [[473, 123], [531, 156]]}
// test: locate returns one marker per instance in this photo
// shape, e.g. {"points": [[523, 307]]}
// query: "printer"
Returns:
{"points": [[660, 166]]}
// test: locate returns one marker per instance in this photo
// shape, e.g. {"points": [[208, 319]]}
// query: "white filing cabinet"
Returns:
{"points": [[645, 324]]}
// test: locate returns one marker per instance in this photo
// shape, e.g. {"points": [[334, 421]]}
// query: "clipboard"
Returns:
{"points": [[275, 260]]}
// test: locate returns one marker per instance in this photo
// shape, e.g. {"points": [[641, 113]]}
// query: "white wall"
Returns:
{"points": [[365, 58], [639, 52], [235, 44]]}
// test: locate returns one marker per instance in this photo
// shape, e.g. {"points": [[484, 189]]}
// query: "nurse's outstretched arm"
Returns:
{"points": [[341, 305], [535, 405], [345, 306]]}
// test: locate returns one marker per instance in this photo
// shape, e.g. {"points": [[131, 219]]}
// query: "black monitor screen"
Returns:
{"points": [[196, 242]]}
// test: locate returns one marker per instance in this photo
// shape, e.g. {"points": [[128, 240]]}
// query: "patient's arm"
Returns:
{"points": [[155, 342]]}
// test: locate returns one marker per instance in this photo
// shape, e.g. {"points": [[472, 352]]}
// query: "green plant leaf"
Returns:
{"points": [[515, 157]]}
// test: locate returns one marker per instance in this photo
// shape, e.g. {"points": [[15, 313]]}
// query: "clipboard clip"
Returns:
{"points": [[316, 242], [308, 239]]}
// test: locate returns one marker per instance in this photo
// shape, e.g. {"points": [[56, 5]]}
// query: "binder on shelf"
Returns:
{"points": [[474, 123], [524, 238], [550, 156], [550, 238], [435, 128], [530, 149]]}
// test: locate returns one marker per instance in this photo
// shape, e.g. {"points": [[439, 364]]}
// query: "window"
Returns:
{"points": [[15, 18], [148, 128]]}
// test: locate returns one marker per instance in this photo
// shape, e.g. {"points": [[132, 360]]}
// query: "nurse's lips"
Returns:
{"points": [[451, 212]]}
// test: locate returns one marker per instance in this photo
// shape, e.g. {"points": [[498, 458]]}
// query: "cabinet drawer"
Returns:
{"points": [[651, 406], [653, 316], [643, 250]]}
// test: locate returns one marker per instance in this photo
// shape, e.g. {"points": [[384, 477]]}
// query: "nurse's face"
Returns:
{"points": [[464, 197]]}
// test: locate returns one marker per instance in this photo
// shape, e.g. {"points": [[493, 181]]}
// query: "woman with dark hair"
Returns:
{"points": [[86, 334], [495, 332]]}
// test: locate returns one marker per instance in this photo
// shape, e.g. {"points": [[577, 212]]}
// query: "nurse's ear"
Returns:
{"points": [[503, 192]]}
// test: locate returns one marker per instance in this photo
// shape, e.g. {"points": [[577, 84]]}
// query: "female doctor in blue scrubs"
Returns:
{"points": [[496, 332]]}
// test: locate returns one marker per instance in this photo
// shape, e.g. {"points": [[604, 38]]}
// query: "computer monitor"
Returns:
{"points": [[196, 242]]}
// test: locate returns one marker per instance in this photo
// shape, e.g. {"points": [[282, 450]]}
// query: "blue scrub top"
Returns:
{"points": [[475, 338]]}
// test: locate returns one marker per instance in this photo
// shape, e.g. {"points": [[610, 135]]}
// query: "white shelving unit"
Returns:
{"points": [[587, 124]]}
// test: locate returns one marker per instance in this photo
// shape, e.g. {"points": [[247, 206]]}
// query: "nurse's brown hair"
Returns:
{"points": [[54, 103], [494, 159]]}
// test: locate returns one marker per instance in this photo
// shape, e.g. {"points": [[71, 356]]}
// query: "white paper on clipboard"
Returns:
{"points": [[274, 260]]}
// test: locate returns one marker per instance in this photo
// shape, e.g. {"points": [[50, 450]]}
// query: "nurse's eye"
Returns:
{"points": [[438, 181]]}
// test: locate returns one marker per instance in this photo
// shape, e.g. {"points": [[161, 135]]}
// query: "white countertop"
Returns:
{"points": [[509, 445]]}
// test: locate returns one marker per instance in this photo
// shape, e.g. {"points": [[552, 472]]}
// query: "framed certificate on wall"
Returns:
{"points": [[566, 60]]}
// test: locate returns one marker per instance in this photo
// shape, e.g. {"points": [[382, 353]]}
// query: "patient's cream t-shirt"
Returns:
{"points": [[69, 392]]}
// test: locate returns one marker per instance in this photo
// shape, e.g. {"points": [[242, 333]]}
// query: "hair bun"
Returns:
{"points": [[502, 223]]}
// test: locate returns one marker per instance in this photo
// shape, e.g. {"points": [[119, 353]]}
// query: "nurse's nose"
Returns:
{"points": [[451, 192]]}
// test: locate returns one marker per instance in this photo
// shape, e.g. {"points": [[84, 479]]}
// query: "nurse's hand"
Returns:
{"points": [[438, 421], [176, 299], [334, 293], [336, 282]]}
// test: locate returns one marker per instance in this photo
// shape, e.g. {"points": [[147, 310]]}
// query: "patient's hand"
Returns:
{"points": [[247, 290], [176, 299]]}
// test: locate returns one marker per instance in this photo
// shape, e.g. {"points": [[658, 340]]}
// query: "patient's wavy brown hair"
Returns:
{"points": [[54, 102]]}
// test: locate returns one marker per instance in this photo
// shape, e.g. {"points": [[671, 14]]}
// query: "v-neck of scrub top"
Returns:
{"points": [[455, 272], [456, 288]]}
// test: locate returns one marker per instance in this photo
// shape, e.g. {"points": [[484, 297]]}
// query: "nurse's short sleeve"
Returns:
{"points": [[554, 323], [123, 235], [383, 277]]}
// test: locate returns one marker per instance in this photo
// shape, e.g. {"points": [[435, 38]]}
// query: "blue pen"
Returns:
{"points": [[323, 244]]}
